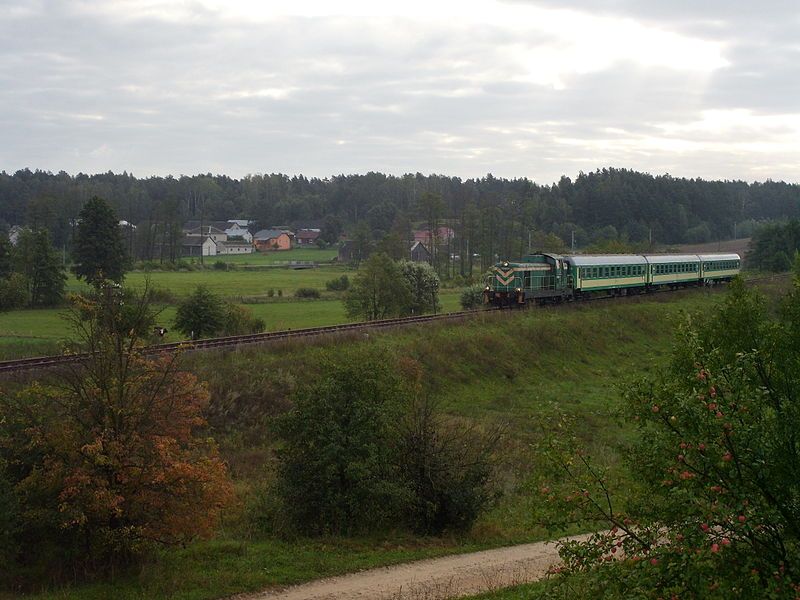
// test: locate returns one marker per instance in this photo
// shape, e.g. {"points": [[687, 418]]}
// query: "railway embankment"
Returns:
{"points": [[522, 371]]}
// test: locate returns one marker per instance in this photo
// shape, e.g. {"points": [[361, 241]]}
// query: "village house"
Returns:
{"points": [[443, 235], [272, 239], [346, 251], [216, 234], [419, 253], [230, 246], [306, 237], [234, 228], [196, 245]]}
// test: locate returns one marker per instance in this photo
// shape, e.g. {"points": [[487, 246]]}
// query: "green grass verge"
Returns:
{"points": [[221, 568]]}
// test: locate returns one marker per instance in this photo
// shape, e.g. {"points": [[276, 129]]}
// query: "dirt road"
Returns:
{"points": [[432, 579]]}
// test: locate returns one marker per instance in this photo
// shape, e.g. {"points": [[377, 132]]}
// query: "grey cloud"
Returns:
{"points": [[88, 92]]}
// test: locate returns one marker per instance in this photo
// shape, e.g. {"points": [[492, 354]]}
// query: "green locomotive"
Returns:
{"points": [[551, 278]]}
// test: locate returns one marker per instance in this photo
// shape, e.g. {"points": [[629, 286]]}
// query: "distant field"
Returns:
{"points": [[231, 284], [37, 332], [279, 256]]}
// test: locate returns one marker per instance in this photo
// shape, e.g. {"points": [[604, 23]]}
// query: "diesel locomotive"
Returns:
{"points": [[550, 278]]}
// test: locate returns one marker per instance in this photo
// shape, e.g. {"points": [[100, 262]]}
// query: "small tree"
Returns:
{"points": [[201, 315], [423, 282], [338, 453], [99, 251], [106, 462], [378, 291]]}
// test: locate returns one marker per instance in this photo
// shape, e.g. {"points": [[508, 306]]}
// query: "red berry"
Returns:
{"points": [[726, 542], [742, 518], [727, 457], [705, 527], [715, 548], [654, 561], [655, 408]]}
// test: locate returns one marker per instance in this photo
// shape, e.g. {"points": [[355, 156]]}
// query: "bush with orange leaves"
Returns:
{"points": [[106, 460]]}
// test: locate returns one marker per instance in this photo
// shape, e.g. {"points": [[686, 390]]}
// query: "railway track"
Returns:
{"points": [[45, 362]]}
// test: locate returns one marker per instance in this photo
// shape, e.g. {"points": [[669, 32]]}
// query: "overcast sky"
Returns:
{"points": [[521, 88]]}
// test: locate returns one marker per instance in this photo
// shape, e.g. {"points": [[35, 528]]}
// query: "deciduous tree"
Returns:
{"points": [[106, 460], [378, 290]]}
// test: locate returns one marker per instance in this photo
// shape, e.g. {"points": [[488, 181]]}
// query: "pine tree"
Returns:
{"points": [[99, 252], [39, 263]]}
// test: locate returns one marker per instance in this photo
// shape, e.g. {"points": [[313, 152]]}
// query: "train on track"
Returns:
{"points": [[552, 278]]}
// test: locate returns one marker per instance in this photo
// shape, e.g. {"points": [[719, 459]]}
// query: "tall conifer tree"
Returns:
{"points": [[99, 252]]}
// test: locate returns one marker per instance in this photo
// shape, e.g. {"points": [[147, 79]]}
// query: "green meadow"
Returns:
{"points": [[33, 332]]}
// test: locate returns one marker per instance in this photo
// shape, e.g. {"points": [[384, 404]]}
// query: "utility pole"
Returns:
{"points": [[572, 246]]}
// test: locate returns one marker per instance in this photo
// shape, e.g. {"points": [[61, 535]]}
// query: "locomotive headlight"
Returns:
{"points": [[487, 288], [518, 290]]}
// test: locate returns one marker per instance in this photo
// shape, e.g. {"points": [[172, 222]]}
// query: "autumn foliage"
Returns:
{"points": [[108, 459]]}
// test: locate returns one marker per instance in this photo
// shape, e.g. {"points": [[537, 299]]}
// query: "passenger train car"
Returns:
{"points": [[544, 278]]}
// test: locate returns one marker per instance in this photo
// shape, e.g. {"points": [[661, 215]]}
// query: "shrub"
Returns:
{"points": [[280, 293], [337, 455], [472, 297], [716, 457], [366, 453], [220, 266], [160, 295], [338, 284], [306, 293], [239, 320], [13, 292], [270, 293], [447, 470]]}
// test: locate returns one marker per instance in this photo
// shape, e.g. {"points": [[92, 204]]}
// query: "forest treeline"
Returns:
{"points": [[489, 215]]}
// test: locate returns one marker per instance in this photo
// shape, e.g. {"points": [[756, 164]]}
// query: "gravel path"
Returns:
{"points": [[431, 579]]}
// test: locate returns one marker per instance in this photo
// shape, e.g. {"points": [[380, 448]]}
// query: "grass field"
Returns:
{"points": [[38, 332], [266, 258]]}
